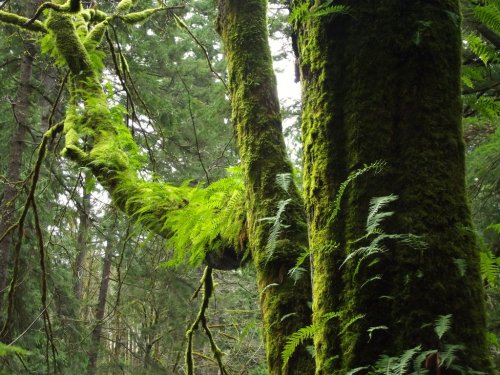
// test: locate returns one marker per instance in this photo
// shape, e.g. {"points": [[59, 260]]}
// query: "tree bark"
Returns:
{"points": [[101, 308], [256, 116], [82, 243], [382, 82]]}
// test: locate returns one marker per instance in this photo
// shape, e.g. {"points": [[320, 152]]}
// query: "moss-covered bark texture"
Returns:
{"points": [[382, 82], [256, 115]]}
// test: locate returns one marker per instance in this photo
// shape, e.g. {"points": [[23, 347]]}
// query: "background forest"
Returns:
{"points": [[97, 292]]}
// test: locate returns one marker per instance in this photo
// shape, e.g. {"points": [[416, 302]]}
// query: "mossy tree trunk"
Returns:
{"points": [[382, 82], [256, 116]]}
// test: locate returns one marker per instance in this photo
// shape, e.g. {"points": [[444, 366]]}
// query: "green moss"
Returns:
{"points": [[137, 17], [125, 5], [256, 115], [14, 19]]}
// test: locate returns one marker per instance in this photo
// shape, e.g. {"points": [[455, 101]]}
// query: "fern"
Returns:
{"points": [[375, 167], [442, 325], [490, 267], [485, 105], [303, 12], [213, 214], [297, 271], [283, 180], [479, 47], [375, 213], [297, 338], [489, 15], [276, 227], [396, 365]]}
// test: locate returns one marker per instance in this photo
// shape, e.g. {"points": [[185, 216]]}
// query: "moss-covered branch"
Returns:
{"points": [[22, 22], [111, 154], [256, 115]]}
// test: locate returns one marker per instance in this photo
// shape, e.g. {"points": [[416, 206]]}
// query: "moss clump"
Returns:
{"points": [[136, 17], [124, 6]]}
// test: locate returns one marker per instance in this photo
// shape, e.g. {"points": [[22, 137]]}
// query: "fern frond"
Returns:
{"points": [[375, 167], [448, 355], [375, 214], [489, 15], [283, 180], [297, 338], [490, 267], [442, 325], [479, 47], [485, 105], [396, 365]]}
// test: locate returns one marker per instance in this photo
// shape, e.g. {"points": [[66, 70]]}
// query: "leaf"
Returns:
{"points": [[283, 180], [375, 214], [305, 333], [6, 350], [442, 325]]}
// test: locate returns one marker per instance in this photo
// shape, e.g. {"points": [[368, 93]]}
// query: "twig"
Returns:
{"points": [[191, 115]]}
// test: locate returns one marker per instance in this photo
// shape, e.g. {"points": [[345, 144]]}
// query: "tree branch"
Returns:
{"points": [[22, 22]]}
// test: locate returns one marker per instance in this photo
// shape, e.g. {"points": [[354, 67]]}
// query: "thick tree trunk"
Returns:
{"points": [[382, 82], [256, 116], [15, 155], [101, 308]]}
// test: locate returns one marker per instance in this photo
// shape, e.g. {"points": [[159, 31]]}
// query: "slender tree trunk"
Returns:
{"points": [[15, 155], [82, 244], [256, 115], [382, 82], [101, 307]]}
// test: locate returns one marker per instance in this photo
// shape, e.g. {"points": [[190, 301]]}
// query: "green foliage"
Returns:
{"points": [[213, 214], [484, 51], [306, 333], [375, 167], [489, 15], [414, 361], [283, 180], [442, 325], [303, 11], [377, 237], [6, 350]]}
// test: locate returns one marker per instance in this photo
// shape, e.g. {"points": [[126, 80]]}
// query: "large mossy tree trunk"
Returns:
{"points": [[256, 116], [382, 82]]}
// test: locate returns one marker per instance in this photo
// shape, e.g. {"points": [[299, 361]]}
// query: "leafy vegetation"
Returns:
{"points": [[127, 105]]}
